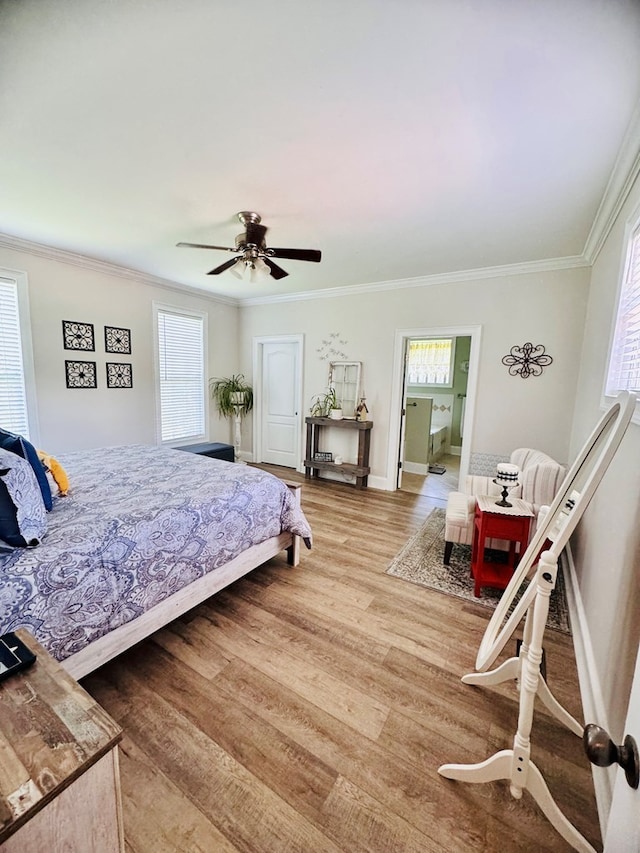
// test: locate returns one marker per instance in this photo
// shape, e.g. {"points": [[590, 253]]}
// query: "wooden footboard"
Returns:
{"points": [[109, 646]]}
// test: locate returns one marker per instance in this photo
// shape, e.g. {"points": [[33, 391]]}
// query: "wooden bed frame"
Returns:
{"points": [[119, 640]]}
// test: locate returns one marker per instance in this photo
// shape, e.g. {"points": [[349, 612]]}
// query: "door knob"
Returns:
{"points": [[603, 752]]}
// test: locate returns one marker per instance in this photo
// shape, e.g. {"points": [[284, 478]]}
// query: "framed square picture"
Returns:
{"points": [[119, 375], [117, 340], [78, 335], [81, 374]]}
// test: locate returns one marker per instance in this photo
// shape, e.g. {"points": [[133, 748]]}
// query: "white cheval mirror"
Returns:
{"points": [[557, 526], [527, 596]]}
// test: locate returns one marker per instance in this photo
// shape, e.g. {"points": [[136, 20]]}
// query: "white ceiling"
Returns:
{"points": [[403, 138]]}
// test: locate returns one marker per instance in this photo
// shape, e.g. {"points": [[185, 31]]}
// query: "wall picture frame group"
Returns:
{"points": [[77, 335]]}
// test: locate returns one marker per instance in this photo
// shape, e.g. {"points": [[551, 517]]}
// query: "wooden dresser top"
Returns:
{"points": [[51, 731]]}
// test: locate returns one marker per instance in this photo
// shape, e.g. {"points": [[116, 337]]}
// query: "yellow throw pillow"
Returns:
{"points": [[57, 472]]}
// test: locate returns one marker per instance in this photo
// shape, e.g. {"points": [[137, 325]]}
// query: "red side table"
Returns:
{"points": [[498, 522]]}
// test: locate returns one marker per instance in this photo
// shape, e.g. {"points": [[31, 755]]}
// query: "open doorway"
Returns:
{"points": [[436, 372], [433, 407]]}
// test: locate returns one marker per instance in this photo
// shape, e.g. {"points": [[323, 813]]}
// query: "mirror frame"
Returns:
{"points": [[555, 529]]}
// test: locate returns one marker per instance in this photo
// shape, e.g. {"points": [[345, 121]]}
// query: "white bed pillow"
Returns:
{"points": [[23, 517]]}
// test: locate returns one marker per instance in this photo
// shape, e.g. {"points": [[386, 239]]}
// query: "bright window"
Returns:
{"points": [[624, 360], [430, 362], [14, 404], [181, 375]]}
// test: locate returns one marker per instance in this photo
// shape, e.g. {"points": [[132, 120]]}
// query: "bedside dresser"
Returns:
{"points": [[59, 779], [498, 522]]}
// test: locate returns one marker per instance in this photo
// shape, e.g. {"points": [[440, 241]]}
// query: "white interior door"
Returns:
{"points": [[403, 418], [623, 826], [417, 435], [280, 403]]}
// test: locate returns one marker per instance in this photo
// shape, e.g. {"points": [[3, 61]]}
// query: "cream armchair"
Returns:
{"points": [[540, 478]]}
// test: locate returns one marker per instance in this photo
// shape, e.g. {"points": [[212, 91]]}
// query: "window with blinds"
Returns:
{"points": [[13, 395], [624, 360], [181, 379], [430, 362]]}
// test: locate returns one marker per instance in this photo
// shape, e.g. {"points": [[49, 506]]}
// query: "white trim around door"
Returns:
{"points": [[395, 419]]}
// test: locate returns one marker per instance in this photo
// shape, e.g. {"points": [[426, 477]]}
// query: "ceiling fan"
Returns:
{"points": [[252, 254]]}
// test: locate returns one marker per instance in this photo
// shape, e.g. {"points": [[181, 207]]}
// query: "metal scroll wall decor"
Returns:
{"points": [[117, 340], [78, 335], [527, 360]]}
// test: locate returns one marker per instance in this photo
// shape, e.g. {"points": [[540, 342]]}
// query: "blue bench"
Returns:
{"points": [[214, 449]]}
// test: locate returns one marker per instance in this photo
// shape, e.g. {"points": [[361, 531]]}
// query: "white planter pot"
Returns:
{"points": [[336, 414]]}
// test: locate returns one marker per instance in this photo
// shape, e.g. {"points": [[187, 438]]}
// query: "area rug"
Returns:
{"points": [[420, 562]]}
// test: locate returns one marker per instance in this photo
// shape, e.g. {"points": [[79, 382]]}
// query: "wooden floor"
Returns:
{"points": [[308, 709], [434, 485]]}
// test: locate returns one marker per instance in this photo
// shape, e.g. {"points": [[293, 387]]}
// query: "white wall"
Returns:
{"points": [[606, 546], [73, 419], [543, 308]]}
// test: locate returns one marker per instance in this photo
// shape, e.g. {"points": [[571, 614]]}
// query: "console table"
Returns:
{"points": [[498, 522], [59, 785], [360, 469]]}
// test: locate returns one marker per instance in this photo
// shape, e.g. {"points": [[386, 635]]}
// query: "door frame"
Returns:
{"points": [[402, 336], [258, 403]]}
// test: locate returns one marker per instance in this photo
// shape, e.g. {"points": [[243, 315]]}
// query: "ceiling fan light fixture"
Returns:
{"points": [[255, 256], [259, 271], [239, 268]]}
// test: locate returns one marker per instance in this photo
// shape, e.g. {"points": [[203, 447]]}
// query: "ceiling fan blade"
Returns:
{"points": [[225, 266], [297, 254], [205, 246], [255, 233], [276, 271]]}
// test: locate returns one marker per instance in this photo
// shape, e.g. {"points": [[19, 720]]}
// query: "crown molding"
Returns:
{"points": [[50, 253], [8, 241], [623, 176], [548, 265]]}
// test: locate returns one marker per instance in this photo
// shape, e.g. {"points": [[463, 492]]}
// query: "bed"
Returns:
{"points": [[145, 534]]}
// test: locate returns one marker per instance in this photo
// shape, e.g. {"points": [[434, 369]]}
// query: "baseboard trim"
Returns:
{"points": [[415, 468]]}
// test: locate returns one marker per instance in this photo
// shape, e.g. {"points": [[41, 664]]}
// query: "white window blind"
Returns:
{"points": [[430, 362], [181, 354], [13, 397], [624, 361]]}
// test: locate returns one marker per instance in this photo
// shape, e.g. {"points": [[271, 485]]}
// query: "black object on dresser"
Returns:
{"points": [[214, 449]]}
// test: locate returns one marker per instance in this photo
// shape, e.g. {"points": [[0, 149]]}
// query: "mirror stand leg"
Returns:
{"points": [[507, 671], [538, 789], [511, 670], [515, 764], [555, 708]]}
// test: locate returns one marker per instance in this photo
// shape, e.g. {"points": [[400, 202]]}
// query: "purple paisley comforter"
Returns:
{"points": [[139, 523]]}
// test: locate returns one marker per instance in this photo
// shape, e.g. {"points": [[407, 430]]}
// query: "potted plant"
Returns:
{"points": [[233, 397], [326, 405], [335, 408]]}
